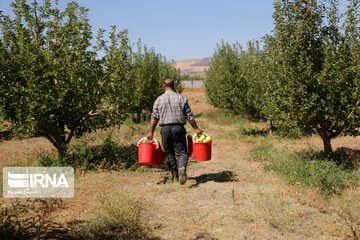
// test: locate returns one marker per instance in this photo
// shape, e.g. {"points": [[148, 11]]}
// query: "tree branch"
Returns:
{"points": [[69, 137], [90, 113], [55, 43], [356, 105], [93, 114], [51, 139]]}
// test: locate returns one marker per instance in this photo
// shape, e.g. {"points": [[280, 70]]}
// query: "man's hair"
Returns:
{"points": [[168, 83]]}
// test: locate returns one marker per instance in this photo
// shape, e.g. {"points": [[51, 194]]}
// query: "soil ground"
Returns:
{"points": [[229, 197]]}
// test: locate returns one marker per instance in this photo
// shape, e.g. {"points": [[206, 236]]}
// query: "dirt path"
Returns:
{"points": [[229, 197], [216, 200]]}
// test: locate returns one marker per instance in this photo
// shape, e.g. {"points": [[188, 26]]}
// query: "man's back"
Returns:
{"points": [[172, 108]]}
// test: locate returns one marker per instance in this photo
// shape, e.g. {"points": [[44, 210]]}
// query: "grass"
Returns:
{"points": [[205, 236], [263, 152], [223, 117], [28, 219], [242, 128], [170, 187], [347, 209], [277, 211], [4, 125], [310, 169], [115, 215], [108, 155], [115, 210]]}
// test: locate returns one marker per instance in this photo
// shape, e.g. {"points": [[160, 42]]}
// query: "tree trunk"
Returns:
{"points": [[138, 116], [59, 141], [327, 145], [271, 126], [326, 140], [61, 148]]}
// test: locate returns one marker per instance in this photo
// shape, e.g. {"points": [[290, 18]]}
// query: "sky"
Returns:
{"points": [[183, 29]]}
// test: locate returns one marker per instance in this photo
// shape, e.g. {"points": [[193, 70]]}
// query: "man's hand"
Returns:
{"points": [[150, 136], [153, 124], [198, 131]]}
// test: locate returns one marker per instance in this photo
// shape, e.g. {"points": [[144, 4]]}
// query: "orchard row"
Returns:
{"points": [[306, 77], [59, 81]]}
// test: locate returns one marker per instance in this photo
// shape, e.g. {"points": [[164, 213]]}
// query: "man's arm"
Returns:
{"points": [[153, 124], [190, 117], [154, 120], [195, 126]]}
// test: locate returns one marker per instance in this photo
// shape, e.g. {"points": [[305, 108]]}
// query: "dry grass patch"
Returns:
{"points": [[29, 219], [280, 211], [347, 210], [170, 187], [114, 215]]}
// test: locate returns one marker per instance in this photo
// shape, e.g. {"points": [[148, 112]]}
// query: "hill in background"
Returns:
{"points": [[193, 66]]}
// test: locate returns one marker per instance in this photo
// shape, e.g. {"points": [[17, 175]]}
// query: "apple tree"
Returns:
{"points": [[315, 67], [52, 82], [225, 84], [150, 69]]}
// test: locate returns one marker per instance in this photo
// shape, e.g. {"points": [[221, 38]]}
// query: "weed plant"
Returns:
{"points": [[347, 209], [115, 215], [310, 168]]}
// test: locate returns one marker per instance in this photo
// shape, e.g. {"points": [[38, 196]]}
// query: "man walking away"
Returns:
{"points": [[172, 110]]}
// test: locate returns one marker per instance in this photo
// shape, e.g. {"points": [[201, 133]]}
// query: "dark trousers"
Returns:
{"points": [[173, 138]]}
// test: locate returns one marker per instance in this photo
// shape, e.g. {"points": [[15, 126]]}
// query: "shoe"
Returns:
{"points": [[174, 175], [182, 175]]}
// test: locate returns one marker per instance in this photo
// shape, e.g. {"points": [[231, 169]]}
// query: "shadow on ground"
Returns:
{"points": [[221, 177], [4, 135], [347, 158], [255, 132], [108, 155], [85, 232], [166, 179]]}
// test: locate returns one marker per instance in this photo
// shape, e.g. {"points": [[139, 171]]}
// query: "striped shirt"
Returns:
{"points": [[172, 108]]}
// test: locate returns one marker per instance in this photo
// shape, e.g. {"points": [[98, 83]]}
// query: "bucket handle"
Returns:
{"points": [[204, 133], [157, 143]]}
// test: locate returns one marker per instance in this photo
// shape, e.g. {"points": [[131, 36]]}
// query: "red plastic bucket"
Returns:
{"points": [[191, 151], [159, 155], [150, 153], [202, 150]]}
